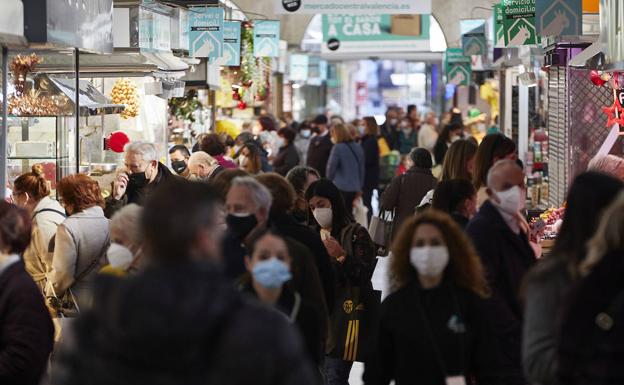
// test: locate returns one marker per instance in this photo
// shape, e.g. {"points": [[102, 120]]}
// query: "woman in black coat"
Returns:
{"points": [[26, 331], [287, 158], [432, 327], [370, 132], [591, 336]]}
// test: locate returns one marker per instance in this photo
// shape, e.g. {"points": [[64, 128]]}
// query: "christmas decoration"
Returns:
{"points": [[596, 78], [242, 105], [184, 108], [615, 112], [20, 67], [117, 141]]}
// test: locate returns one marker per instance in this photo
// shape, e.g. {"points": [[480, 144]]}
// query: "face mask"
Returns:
{"points": [[119, 257], [393, 122], [324, 217], [179, 166], [137, 179], [511, 200], [362, 130], [242, 160], [271, 273], [455, 139], [241, 224], [306, 133], [280, 142], [429, 261]]}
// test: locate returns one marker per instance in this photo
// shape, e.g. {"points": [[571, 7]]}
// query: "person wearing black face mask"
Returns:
{"points": [[248, 204], [143, 174], [179, 156]]}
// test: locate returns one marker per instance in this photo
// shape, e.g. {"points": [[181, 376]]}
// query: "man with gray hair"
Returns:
{"points": [[500, 235], [143, 173], [203, 166], [248, 204]]}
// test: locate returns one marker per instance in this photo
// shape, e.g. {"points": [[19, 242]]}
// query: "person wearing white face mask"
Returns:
{"points": [[287, 157], [500, 234], [353, 259], [432, 328], [125, 253]]}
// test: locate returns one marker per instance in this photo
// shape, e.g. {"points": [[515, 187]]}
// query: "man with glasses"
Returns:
{"points": [[142, 174]]}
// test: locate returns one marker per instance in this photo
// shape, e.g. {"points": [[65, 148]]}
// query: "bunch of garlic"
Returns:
{"points": [[125, 92]]}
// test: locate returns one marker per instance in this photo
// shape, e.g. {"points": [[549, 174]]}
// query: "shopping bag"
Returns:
{"points": [[380, 231]]}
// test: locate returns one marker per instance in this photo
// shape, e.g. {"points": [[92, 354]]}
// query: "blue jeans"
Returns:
{"points": [[337, 371]]}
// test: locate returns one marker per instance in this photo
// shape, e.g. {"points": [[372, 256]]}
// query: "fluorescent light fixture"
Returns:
{"points": [[400, 80], [296, 86]]}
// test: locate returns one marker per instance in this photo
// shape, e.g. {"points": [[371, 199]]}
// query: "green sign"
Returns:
{"points": [[457, 67], [474, 41], [559, 17], [519, 21], [375, 33], [500, 40]]}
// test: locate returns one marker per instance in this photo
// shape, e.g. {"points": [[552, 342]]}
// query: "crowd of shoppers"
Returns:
{"points": [[247, 264]]}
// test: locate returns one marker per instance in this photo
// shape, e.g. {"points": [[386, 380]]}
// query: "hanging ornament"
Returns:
{"points": [[596, 78], [117, 141], [615, 112], [242, 105], [235, 95]]}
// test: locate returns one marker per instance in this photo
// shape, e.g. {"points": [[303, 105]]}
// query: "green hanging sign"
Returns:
{"points": [[474, 41], [457, 67], [519, 22], [500, 37]]}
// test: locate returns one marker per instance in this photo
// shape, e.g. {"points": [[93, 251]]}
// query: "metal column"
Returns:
{"points": [[77, 107], [5, 125]]}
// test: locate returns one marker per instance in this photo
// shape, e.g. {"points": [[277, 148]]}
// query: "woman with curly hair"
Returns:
{"points": [[432, 328]]}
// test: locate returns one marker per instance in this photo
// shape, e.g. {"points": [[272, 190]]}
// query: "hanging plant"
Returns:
{"points": [[183, 108]]}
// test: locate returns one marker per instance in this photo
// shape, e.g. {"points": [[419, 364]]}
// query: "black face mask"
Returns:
{"points": [[241, 226], [137, 180], [179, 166], [301, 216]]}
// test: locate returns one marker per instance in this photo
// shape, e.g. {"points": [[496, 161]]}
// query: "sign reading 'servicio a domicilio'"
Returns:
{"points": [[353, 7]]}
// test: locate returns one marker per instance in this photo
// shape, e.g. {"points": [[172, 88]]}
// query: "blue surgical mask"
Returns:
{"points": [[271, 273]]}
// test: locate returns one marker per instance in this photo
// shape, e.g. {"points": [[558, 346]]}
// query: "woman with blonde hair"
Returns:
{"points": [[591, 337], [31, 191], [432, 328], [459, 160], [345, 166]]}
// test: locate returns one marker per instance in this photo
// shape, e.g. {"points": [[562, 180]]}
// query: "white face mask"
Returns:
{"points": [[429, 261], [242, 160], [306, 133], [362, 130], [280, 142], [119, 257], [511, 200], [455, 139], [323, 216]]}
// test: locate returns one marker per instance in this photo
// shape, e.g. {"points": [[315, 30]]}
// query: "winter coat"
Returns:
{"points": [[302, 313], [208, 334], [26, 331], [439, 151], [405, 350], [586, 352], [346, 167], [405, 193], [390, 134], [544, 295], [406, 143], [427, 137], [46, 217], [287, 226], [287, 158], [225, 162], [506, 257], [371, 163], [318, 153], [80, 248], [302, 144], [138, 196]]}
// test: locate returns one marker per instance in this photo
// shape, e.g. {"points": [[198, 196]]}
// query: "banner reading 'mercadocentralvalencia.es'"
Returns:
{"points": [[353, 7]]}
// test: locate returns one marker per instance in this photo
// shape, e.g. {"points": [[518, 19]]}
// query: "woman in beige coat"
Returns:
{"points": [[32, 192]]}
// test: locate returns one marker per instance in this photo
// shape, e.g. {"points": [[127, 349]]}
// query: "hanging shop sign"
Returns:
{"points": [[180, 29], [231, 43], [353, 7], [500, 37], [266, 38], [519, 21], [474, 41], [457, 67], [206, 32], [371, 34], [299, 67], [559, 17]]}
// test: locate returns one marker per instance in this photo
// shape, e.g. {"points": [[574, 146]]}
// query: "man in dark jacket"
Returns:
{"points": [[499, 233], [143, 174], [390, 128], [180, 321], [320, 146]]}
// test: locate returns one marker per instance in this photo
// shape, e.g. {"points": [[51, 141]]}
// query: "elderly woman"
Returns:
{"points": [[126, 250], [26, 332], [608, 164], [81, 240]]}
